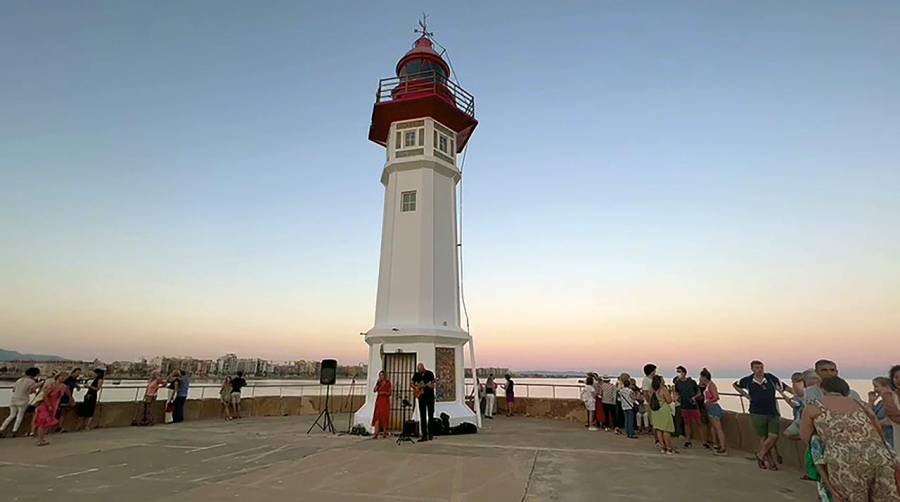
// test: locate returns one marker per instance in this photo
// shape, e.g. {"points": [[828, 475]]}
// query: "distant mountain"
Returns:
{"points": [[12, 355]]}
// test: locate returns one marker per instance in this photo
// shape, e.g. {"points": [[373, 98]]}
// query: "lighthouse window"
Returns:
{"points": [[408, 201], [442, 143], [409, 138]]}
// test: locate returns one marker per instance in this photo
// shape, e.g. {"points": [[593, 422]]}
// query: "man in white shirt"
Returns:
{"points": [[18, 404]]}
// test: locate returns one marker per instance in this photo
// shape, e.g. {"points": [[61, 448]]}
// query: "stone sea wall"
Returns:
{"points": [[739, 434], [738, 431], [123, 414]]}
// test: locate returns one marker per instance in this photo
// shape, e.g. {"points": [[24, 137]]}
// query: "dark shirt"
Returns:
{"points": [[185, 386], [72, 383], [510, 388], [762, 396], [425, 378], [687, 389], [93, 389], [237, 384]]}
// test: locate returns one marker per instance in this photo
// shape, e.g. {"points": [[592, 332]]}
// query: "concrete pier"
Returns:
{"points": [[273, 459]]}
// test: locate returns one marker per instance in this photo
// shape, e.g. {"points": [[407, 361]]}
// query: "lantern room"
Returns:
{"points": [[422, 88]]}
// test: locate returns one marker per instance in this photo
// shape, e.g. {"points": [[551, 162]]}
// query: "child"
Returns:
{"points": [[796, 403], [882, 386], [823, 483], [589, 397], [643, 418]]}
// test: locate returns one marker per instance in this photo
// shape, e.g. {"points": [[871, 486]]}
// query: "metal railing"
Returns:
{"points": [[201, 390], [572, 391], [426, 83]]}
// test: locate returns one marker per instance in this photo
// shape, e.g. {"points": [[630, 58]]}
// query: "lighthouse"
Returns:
{"points": [[423, 120]]}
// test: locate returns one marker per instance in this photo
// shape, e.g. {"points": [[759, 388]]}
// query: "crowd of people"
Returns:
{"points": [[852, 448], [851, 444], [50, 401]]}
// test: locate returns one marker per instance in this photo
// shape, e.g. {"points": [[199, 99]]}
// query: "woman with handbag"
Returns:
{"points": [[45, 416], [860, 465], [661, 415]]}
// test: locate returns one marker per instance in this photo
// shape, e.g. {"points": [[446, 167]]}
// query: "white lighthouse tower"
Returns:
{"points": [[423, 120]]}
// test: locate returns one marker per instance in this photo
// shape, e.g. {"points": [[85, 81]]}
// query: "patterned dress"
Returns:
{"points": [[45, 414], [859, 463], [817, 452]]}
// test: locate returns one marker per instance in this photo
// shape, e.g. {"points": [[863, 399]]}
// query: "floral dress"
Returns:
{"points": [[860, 465], [45, 414]]}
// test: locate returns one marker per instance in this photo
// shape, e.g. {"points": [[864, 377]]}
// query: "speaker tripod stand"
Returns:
{"points": [[324, 420], [408, 432]]}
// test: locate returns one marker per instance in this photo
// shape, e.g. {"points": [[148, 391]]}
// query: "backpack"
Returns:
{"points": [[464, 428], [654, 402]]}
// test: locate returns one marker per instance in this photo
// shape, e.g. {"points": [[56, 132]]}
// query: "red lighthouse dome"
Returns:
{"points": [[422, 88], [422, 57]]}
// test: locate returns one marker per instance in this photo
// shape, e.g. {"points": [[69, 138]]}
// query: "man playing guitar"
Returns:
{"points": [[423, 389]]}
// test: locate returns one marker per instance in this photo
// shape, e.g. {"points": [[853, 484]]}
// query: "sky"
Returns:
{"points": [[697, 183]]}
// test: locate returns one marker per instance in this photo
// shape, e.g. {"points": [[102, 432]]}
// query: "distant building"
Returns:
{"points": [[227, 364], [230, 364], [196, 367], [485, 372], [15, 369]]}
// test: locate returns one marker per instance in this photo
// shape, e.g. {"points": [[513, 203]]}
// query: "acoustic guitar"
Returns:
{"points": [[418, 388]]}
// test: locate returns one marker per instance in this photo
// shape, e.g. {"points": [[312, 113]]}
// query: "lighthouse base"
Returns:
{"points": [[441, 351]]}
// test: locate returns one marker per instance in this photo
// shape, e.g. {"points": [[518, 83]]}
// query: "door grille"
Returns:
{"points": [[399, 369]]}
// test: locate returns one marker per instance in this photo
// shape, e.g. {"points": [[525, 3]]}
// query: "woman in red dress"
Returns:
{"points": [[382, 418], [45, 414]]}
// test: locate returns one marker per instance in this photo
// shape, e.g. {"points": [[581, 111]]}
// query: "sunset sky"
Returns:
{"points": [[686, 183]]}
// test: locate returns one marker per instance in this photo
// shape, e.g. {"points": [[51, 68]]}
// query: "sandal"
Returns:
{"points": [[760, 463]]}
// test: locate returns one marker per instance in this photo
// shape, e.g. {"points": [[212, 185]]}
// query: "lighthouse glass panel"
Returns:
{"points": [[408, 201], [409, 139], [442, 143], [423, 65]]}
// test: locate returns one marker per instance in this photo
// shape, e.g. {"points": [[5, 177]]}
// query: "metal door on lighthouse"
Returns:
{"points": [[399, 369]]}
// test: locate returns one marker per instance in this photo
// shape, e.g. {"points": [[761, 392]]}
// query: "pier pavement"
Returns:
{"points": [[273, 459]]}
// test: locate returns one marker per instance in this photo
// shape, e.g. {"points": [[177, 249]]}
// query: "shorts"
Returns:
{"points": [[714, 411], [235, 398], [691, 416], [766, 425], [590, 406]]}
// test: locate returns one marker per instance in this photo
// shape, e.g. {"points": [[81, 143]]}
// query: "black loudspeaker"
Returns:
{"points": [[410, 428], [328, 372]]}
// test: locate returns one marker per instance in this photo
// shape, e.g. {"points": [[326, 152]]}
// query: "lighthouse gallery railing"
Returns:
{"points": [[426, 83]]}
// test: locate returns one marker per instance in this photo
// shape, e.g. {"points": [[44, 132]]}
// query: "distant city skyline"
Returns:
{"points": [[683, 183]]}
